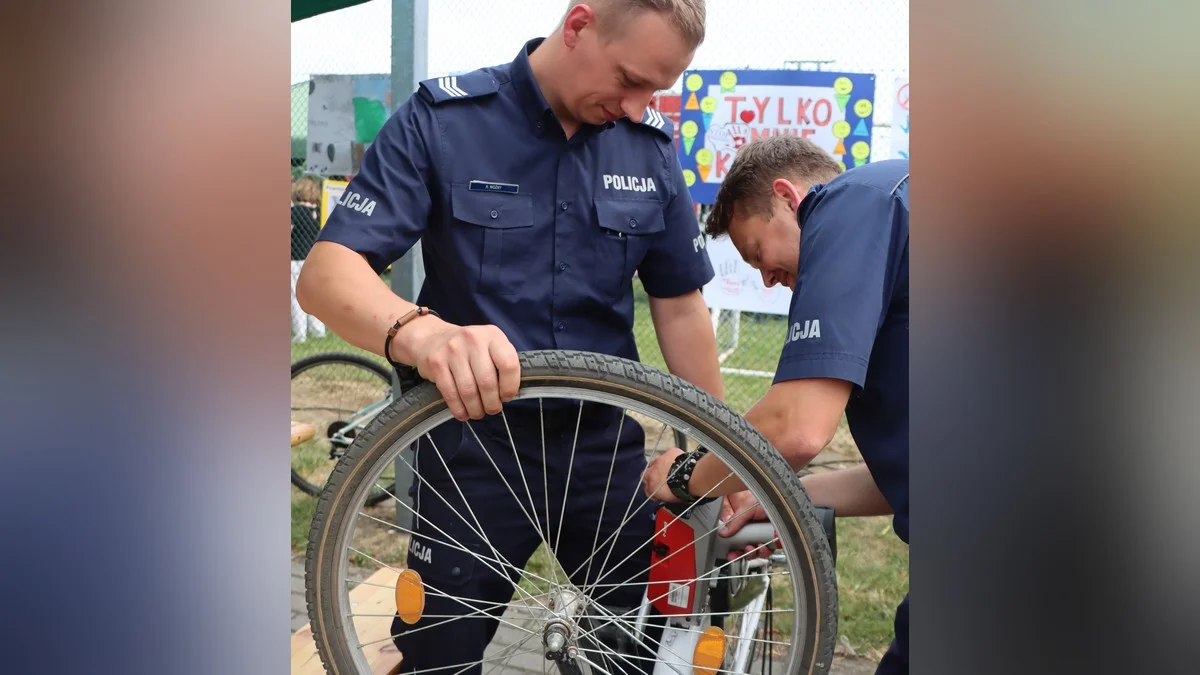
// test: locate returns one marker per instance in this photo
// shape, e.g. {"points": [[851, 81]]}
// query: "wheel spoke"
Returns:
{"points": [[673, 554], [466, 502], [616, 621], [651, 539], [567, 486], [446, 534], [515, 645], [546, 480], [458, 547], [604, 502], [499, 473], [542, 533], [436, 591]]}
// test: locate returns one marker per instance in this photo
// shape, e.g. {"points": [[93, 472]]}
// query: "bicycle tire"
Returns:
{"points": [[601, 373], [328, 358]]}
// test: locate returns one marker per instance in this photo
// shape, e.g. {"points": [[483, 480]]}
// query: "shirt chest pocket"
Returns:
{"points": [[627, 229], [497, 234]]}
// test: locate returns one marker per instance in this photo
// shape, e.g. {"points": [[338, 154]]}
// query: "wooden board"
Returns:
{"points": [[366, 598], [302, 432]]}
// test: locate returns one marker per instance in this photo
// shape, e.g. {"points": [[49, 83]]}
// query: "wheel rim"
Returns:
{"points": [[345, 526]]}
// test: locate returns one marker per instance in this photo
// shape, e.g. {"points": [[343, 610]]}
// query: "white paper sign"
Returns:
{"points": [[330, 125], [738, 286]]}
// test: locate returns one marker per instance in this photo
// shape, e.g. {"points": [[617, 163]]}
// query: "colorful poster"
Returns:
{"points": [[331, 194], [732, 108], [738, 286], [900, 119], [345, 113], [372, 101]]}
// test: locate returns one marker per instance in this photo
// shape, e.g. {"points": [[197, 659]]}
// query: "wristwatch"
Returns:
{"points": [[680, 475]]}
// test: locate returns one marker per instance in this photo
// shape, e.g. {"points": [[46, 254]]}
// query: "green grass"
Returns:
{"points": [[303, 508], [872, 580], [543, 565]]}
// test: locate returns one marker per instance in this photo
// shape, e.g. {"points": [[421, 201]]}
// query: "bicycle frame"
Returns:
{"points": [[683, 629], [709, 551], [359, 420]]}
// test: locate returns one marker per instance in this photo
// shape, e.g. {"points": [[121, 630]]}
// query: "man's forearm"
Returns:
{"points": [[685, 336], [338, 287], [713, 478], [850, 492], [798, 417]]}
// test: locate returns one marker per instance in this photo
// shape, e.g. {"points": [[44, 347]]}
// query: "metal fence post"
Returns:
{"points": [[410, 29]]}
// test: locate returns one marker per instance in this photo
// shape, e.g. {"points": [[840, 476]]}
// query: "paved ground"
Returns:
{"points": [[506, 650], [299, 610]]}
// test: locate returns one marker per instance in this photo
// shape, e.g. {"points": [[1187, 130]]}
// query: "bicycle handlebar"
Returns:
{"points": [[752, 534]]}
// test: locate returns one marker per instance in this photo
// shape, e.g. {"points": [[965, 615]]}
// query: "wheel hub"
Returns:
{"points": [[559, 636]]}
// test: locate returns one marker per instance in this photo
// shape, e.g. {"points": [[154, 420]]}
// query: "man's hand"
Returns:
{"points": [[738, 509], [654, 480], [474, 367]]}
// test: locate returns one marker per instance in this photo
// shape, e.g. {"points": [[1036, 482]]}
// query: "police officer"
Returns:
{"points": [[841, 243], [538, 188]]}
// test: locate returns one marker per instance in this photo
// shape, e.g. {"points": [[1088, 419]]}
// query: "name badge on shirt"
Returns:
{"points": [[489, 186]]}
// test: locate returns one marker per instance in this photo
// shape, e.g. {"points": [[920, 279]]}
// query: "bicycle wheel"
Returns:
{"points": [[338, 394], [554, 610]]}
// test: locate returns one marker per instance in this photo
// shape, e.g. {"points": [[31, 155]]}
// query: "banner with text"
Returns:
{"points": [[722, 110]]}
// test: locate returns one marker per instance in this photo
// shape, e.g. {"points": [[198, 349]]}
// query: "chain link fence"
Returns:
{"points": [[861, 37]]}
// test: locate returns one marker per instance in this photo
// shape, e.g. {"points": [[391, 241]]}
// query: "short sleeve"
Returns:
{"points": [[677, 261], [841, 290], [386, 206]]}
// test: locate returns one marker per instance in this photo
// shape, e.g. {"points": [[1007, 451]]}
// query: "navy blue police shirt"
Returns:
{"points": [[519, 226], [849, 314]]}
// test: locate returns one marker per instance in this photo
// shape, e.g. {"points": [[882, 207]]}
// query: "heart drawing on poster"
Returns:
{"points": [[747, 116]]}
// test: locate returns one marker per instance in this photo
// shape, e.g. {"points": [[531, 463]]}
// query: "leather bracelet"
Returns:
{"points": [[409, 316], [680, 474]]}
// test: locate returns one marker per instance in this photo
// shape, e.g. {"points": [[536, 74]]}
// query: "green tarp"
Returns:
{"points": [[303, 9]]}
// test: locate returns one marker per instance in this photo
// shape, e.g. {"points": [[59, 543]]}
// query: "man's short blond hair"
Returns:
{"points": [[687, 16]]}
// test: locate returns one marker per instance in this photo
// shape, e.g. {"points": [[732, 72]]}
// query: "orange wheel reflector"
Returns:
{"points": [[709, 654], [410, 596]]}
